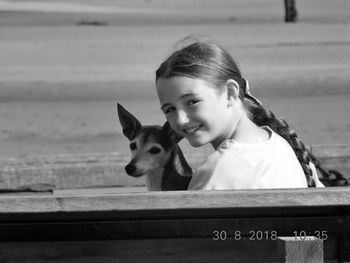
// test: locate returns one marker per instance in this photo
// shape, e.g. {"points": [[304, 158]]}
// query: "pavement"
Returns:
{"points": [[64, 65]]}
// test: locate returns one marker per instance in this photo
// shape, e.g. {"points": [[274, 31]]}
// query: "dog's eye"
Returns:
{"points": [[154, 150], [132, 146]]}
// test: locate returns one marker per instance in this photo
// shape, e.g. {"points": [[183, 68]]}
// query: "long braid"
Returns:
{"points": [[262, 116], [329, 177]]}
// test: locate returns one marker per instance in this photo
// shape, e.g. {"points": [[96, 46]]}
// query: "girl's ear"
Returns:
{"points": [[232, 89]]}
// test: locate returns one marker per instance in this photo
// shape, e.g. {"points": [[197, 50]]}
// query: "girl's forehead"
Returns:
{"points": [[181, 81], [178, 86]]}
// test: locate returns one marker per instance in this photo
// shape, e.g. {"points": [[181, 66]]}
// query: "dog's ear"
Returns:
{"points": [[173, 135], [129, 123]]}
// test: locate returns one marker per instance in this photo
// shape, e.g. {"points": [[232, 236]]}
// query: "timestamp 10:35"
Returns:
{"points": [[265, 235]]}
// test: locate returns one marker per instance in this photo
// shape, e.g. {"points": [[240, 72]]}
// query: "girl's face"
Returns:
{"points": [[196, 110]]}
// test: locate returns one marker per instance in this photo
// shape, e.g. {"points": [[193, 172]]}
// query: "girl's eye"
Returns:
{"points": [[132, 146], [168, 110], [192, 102], [154, 150]]}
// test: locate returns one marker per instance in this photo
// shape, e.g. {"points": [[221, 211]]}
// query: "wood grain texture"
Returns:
{"points": [[320, 198], [157, 250], [308, 249], [128, 224], [107, 169], [93, 222], [107, 227], [154, 250]]}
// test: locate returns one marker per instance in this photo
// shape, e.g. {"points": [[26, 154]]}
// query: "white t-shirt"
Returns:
{"points": [[236, 165]]}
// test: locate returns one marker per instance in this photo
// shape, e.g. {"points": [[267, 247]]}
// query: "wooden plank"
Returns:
{"points": [[330, 150], [260, 228], [100, 191], [154, 215], [173, 250], [344, 247], [307, 249], [107, 169], [327, 199], [154, 250], [67, 171], [188, 216], [74, 192]]}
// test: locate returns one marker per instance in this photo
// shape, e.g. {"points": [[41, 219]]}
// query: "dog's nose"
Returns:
{"points": [[130, 169]]}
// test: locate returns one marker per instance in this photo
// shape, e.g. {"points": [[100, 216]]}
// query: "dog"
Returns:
{"points": [[155, 154]]}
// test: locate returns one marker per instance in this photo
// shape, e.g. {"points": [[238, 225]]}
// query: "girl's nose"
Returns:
{"points": [[181, 118]]}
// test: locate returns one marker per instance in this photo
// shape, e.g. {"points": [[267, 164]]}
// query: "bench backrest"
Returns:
{"points": [[111, 225], [107, 169], [188, 226]]}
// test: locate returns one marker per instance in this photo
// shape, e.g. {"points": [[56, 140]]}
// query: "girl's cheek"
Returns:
{"points": [[197, 112], [174, 127], [171, 120]]}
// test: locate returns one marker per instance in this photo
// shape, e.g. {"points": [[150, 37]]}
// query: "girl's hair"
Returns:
{"points": [[212, 63]]}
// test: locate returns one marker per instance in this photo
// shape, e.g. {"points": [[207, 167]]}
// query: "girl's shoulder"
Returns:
{"points": [[204, 172]]}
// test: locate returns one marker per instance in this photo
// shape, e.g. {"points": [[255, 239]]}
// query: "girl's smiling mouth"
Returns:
{"points": [[192, 130]]}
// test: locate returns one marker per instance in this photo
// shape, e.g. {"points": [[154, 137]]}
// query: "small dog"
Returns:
{"points": [[155, 153]]}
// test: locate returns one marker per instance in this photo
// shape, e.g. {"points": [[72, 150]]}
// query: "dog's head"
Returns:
{"points": [[150, 145]]}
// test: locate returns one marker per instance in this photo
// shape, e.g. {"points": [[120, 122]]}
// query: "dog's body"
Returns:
{"points": [[155, 154]]}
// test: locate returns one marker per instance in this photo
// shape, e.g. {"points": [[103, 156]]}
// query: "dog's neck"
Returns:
{"points": [[175, 175], [178, 163], [154, 179]]}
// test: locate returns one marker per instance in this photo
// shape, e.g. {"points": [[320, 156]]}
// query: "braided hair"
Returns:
{"points": [[261, 116], [212, 63]]}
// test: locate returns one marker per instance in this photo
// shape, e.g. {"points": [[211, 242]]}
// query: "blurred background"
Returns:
{"points": [[65, 64]]}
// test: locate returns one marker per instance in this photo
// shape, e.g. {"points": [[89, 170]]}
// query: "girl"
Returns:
{"points": [[206, 100]]}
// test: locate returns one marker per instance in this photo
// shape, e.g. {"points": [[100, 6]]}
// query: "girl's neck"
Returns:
{"points": [[246, 131]]}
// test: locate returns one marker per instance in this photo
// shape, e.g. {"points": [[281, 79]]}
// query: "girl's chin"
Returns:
{"points": [[197, 139], [196, 143]]}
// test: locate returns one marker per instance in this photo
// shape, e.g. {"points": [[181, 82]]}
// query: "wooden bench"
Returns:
{"points": [[68, 171], [118, 224]]}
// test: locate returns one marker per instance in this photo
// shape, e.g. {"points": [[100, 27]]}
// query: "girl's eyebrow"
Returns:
{"points": [[183, 96], [186, 95]]}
